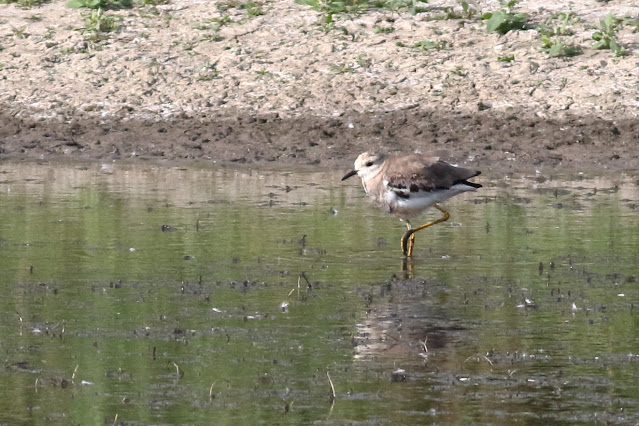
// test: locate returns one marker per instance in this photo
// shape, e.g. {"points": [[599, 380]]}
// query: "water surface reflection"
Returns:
{"points": [[180, 295]]}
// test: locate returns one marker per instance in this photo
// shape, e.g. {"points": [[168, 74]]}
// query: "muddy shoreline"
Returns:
{"points": [[213, 81], [483, 139]]}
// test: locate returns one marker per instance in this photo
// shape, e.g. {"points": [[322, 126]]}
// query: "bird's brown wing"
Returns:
{"points": [[416, 172]]}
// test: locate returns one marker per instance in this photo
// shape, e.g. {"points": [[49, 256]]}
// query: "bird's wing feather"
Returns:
{"points": [[416, 172]]}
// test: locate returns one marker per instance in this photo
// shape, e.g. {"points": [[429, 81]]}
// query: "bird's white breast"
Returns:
{"points": [[417, 202]]}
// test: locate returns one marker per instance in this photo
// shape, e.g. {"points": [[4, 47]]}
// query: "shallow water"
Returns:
{"points": [[148, 294]]}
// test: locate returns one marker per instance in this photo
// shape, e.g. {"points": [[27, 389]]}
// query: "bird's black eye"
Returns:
{"points": [[368, 164]]}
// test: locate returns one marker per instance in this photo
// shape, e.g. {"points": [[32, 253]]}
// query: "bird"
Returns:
{"points": [[408, 185]]}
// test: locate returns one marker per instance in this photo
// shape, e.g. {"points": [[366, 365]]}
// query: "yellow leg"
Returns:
{"points": [[408, 268], [408, 240]]}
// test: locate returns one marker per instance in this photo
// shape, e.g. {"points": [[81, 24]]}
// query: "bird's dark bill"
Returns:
{"points": [[349, 174]]}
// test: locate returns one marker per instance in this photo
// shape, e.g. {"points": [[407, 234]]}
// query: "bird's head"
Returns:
{"points": [[367, 165]]}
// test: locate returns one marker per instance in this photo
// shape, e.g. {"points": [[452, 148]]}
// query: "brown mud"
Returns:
{"points": [[483, 139]]}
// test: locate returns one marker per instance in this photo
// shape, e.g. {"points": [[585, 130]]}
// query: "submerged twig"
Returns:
{"points": [[21, 322], [74, 371], [287, 406], [308, 283], [332, 395], [484, 357], [177, 370]]}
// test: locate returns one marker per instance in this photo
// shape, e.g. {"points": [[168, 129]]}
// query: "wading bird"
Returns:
{"points": [[406, 186]]}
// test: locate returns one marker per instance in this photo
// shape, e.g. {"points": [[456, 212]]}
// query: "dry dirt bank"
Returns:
{"points": [[193, 79]]}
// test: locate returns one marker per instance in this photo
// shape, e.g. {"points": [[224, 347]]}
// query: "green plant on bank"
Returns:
{"points": [[450, 13], [100, 4], [49, 34], [252, 8], [558, 25], [505, 19], [25, 4], [208, 72], [459, 71], [341, 69], [631, 22], [425, 45], [382, 30], [363, 60], [153, 2], [506, 58], [555, 48], [20, 32], [328, 8], [214, 25], [606, 36], [97, 25], [411, 6], [214, 37]]}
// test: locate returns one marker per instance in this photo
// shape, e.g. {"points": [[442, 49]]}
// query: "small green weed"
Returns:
{"points": [[555, 48], [460, 71], [631, 22], [153, 2], [253, 9], [558, 25], [97, 25], [25, 4], [382, 30], [48, 35], [215, 37], [218, 23], [606, 36], [450, 13], [100, 4], [505, 20], [208, 72], [426, 45], [363, 60], [20, 32], [411, 6], [506, 58], [341, 69], [214, 25], [328, 8]]}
